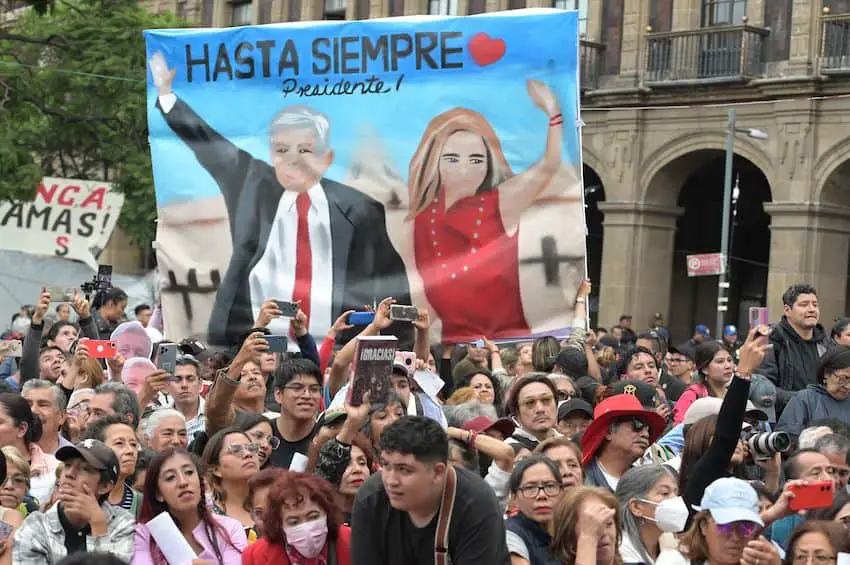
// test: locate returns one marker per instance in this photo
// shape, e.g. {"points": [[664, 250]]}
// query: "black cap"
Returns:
{"points": [[575, 405], [683, 349], [572, 362], [93, 452], [644, 392]]}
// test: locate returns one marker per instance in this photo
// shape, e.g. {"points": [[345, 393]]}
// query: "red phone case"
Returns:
{"points": [[811, 496], [101, 348]]}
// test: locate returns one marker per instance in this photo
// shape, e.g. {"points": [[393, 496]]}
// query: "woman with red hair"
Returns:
{"points": [[301, 525]]}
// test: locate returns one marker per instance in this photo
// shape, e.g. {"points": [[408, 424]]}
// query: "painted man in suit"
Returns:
{"points": [[296, 235]]}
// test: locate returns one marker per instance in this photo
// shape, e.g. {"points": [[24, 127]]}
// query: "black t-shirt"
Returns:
{"points": [[75, 540], [282, 456], [382, 535]]}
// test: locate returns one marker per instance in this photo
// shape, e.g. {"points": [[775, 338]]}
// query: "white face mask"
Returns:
{"points": [[671, 515], [308, 538]]}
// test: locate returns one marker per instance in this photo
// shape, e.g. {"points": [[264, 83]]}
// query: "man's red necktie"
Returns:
{"points": [[303, 257]]}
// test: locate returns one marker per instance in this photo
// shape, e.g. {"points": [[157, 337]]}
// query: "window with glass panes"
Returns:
{"points": [[442, 7], [241, 14], [723, 12], [580, 5]]}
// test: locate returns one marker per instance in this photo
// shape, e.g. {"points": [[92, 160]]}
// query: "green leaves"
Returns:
{"points": [[72, 102]]}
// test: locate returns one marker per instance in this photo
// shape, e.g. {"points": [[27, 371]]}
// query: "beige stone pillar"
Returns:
{"points": [[686, 14], [805, 36], [635, 19], [637, 259], [221, 13], [809, 243]]}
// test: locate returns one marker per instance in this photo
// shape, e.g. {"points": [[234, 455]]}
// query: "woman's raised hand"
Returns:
{"points": [[544, 98]]}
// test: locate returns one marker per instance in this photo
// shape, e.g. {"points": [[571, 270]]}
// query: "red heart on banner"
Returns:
{"points": [[485, 50]]}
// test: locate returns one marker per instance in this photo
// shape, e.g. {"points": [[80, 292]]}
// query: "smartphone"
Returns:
{"points": [[361, 318], [60, 294], [277, 343], [758, 317], [104, 277], [811, 496], [166, 357], [11, 348], [479, 343], [406, 359], [6, 530], [287, 309], [101, 348], [404, 313]]}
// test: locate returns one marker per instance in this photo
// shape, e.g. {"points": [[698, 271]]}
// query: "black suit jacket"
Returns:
{"points": [[366, 266]]}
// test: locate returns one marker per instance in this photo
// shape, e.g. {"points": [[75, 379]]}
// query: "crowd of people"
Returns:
{"points": [[608, 447]]}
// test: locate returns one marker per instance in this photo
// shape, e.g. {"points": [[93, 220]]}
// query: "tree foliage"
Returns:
{"points": [[72, 101]]}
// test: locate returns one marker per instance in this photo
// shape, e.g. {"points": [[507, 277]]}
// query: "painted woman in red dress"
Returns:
{"points": [[466, 205]]}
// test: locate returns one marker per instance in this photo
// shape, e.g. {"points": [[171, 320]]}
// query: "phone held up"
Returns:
{"points": [[277, 343], [100, 348], [361, 318], [759, 318], [402, 313], [287, 309], [811, 496], [166, 357]]}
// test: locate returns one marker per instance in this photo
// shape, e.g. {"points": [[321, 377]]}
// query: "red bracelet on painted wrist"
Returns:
{"points": [[556, 120]]}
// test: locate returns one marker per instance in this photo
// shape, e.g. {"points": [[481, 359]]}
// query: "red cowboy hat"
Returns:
{"points": [[606, 412]]}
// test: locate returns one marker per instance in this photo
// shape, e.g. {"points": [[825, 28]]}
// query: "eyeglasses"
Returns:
{"points": [[531, 491], [745, 529], [273, 441], [564, 395], [820, 558], [299, 388], [237, 449], [638, 424], [841, 380]]}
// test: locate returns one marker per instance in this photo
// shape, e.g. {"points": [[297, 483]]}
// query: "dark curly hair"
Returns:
{"points": [[299, 486]]}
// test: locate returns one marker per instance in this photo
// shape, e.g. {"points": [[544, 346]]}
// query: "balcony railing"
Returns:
{"points": [[717, 53], [835, 43], [590, 59]]}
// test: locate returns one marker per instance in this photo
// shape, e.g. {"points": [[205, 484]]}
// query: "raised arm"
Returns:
{"points": [[518, 192], [223, 160]]}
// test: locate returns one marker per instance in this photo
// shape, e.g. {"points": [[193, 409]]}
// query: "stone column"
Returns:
{"points": [[809, 243], [686, 14], [637, 259], [805, 36]]}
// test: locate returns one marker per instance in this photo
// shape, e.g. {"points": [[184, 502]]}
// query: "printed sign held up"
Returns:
{"points": [[71, 219]]}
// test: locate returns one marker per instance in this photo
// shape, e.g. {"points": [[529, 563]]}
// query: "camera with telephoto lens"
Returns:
{"points": [[764, 445]]}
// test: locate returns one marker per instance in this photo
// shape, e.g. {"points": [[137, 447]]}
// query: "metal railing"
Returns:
{"points": [[590, 58], [705, 54], [835, 43]]}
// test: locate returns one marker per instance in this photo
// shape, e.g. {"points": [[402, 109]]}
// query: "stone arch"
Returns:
{"points": [[667, 168], [832, 175], [591, 159]]}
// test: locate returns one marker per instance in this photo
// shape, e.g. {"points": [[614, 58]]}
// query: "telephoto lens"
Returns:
{"points": [[764, 445]]}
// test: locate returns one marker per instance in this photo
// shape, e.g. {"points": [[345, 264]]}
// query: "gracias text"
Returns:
{"points": [[338, 55]]}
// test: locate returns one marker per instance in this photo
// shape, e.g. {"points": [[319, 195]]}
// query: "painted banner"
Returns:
{"points": [[71, 219], [435, 160]]}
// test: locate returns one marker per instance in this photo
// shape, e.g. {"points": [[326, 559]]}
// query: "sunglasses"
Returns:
{"points": [[638, 424], [745, 529], [238, 449]]}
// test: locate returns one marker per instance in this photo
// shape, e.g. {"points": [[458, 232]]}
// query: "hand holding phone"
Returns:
{"points": [[100, 348], [402, 313], [11, 348], [287, 309], [166, 358], [811, 496], [361, 318], [277, 343]]}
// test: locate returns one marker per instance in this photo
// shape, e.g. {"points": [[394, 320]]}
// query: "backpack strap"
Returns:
{"points": [[441, 539]]}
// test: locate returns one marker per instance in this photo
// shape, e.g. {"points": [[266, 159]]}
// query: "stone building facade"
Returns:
{"points": [[658, 78]]}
